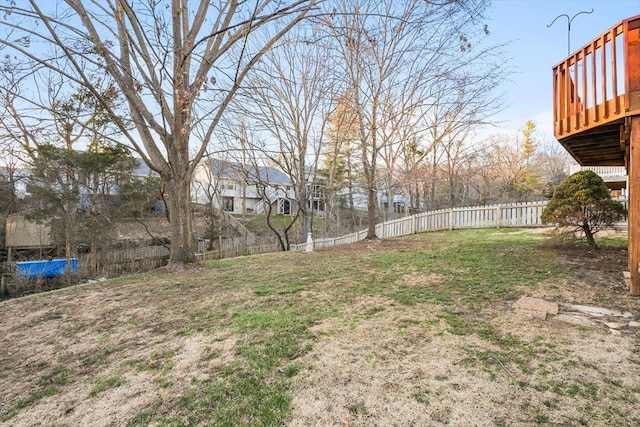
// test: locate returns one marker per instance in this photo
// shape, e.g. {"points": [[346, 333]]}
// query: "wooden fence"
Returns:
{"points": [[494, 216], [115, 262], [235, 251], [118, 261]]}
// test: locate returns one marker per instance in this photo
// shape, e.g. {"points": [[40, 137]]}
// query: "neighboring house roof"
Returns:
{"points": [[224, 169], [268, 175], [236, 171]]}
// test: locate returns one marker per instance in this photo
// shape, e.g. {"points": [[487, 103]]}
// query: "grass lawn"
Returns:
{"points": [[410, 331]]}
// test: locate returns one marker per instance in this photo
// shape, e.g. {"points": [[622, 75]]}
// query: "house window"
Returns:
{"points": [[284, 207], [318, 206], [317, 192], [227, 204], [229, 185]]}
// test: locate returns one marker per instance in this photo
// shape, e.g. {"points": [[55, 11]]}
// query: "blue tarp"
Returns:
{"points": [[49, 268]]}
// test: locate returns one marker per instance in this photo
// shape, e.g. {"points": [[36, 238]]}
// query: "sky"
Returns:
{"points": [[534, 49]]}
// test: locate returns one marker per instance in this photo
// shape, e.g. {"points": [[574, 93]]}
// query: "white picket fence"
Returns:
{"points": [[494, 216]]}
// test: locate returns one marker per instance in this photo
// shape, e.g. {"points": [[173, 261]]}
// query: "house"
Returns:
{"points": [[397, 195], [237, 189], [143, 172]]}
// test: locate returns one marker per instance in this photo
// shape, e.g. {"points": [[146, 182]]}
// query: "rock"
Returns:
{"points": [[576, 319], [536, 307], [634, 324], [616, 325], [627, 315], [595, 311], [615, 332]]}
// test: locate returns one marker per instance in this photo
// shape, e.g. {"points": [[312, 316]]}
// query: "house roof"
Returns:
{"points": [[269, 175], [250, 173]]}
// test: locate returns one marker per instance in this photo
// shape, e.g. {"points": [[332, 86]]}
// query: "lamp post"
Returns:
{"points": [[569, 21]]}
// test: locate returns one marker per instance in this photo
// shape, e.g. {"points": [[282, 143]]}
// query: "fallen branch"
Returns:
{"points": [[503, 367]]}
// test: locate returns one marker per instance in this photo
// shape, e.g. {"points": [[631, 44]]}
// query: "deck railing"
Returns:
{"points": [[602, 171], [589, 86]]}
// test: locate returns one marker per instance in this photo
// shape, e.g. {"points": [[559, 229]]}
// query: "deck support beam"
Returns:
{"points": [[634, 206]]}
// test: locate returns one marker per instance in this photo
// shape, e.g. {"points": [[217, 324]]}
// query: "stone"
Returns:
{"points": [[576, 319], [627, 315], [539, 307], [615, 332], [634, 324], [594, 311], [616, 325]]}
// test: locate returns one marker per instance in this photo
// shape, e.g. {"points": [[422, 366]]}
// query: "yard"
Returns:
{"points": [[420, 330]]}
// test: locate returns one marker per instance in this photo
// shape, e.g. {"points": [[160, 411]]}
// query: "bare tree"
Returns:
{"points": [[12, 186], [47, 121], [243, 143], [340, 161], [289, 104], [211, 179], [553, 163], [392, 55], [430, 117], [512, 165], [177, 63], [22, 104]]}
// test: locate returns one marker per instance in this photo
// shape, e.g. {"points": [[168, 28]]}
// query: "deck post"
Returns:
{"points": [[634, 206]]}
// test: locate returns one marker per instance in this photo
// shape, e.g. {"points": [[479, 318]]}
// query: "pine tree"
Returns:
{"points": [[583, 203], [529, 180]]}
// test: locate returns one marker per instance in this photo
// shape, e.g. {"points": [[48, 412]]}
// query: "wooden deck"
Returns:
{"points": [[595, 91], [596, 113]]}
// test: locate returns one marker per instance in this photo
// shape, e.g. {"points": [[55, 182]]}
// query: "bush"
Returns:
{"points": [[582, 203]]}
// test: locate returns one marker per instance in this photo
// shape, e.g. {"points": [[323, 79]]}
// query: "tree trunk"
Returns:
{"points": [[307, 222], [591, 241], [93, 259], [391, 209], [371, 212], [350, 182], [93, 256], [305, 206], [182, 238], [68, 224], [244, 201]]}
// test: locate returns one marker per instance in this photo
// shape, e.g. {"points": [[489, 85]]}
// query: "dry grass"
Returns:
{"points": [[411, 331]]}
